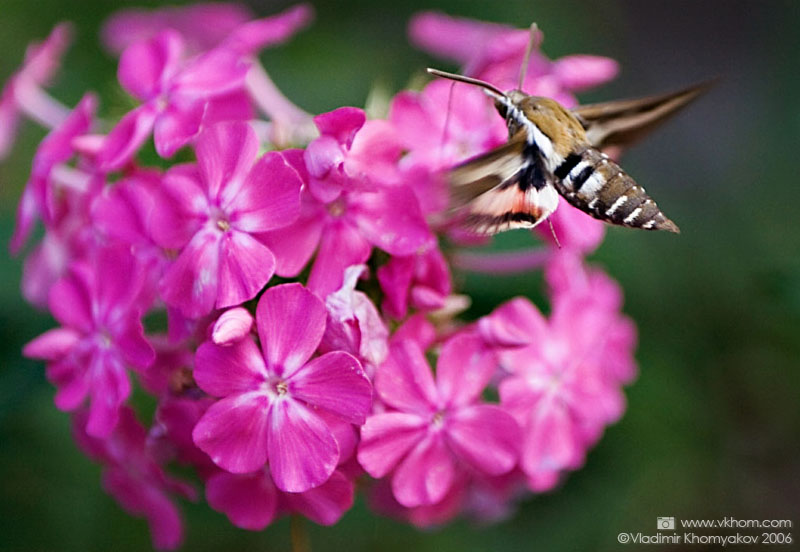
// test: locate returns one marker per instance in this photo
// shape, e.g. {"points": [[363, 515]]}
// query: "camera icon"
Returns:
{"points": [[665, 523]]}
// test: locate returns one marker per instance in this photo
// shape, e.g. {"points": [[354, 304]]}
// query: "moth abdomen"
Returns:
{"points": [[595, 184]]}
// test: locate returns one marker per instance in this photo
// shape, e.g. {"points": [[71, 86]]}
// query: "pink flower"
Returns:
{"points": [[344, 214], [22, 92], [175, 93], [592, 293], [39, 197], [494, 53], [559, 390], [421, 281], [354, 324], [203, 25], [250, 37], [133, 477], [269, 398], [211, 211], [438, 426], [445, 124], [252, 501], [122, 214], [99, 308]]}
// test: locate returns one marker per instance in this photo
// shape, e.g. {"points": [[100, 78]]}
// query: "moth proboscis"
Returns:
{"points": [[554, 151]]}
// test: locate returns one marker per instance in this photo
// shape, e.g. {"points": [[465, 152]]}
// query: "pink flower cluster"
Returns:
{"points": [[284, 295]]}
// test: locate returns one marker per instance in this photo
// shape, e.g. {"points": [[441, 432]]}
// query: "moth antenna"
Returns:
{"points": [[523, 70], [447, 118], [553, 231], [468, 80]]}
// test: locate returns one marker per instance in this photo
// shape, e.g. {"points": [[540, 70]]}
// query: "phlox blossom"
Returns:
{"points": [[211, 211], [99, 306], [434, 428], [269, 398]]}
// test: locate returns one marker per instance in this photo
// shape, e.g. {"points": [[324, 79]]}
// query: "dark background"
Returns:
{"points": [[712, 426]]}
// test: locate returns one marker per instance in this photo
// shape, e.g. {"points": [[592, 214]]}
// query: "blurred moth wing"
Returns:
{"points": [[622, 123]]}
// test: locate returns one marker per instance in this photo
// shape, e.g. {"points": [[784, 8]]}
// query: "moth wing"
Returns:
{"points": [[624, 122], [495, 193], [484, 172]]}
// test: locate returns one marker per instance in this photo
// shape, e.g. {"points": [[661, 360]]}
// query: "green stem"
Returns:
{"points": [[300, 539]]}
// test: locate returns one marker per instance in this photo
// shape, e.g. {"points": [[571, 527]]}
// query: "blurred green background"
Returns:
{"points": [[712, 427]]}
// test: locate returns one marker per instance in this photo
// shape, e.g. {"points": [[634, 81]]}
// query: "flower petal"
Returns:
{"points": [[245, 266], [225, 153], [177, 125], [464, 368], [145, 66], [404, 380], [342, 124], [214, 73], [341, 245], [250, 501], [293, 245], [232, 325], [270, 197], [110, 388], [386, 438], [327, 503], [302, 450], [514, 323], [144, 499], [190, 283], [426, 475], [486, 437], [222, 371], [70, 300], [52, 345], [390, 218], [180, 207], [71, 382], [125, 139], [233, 432], [291, 321], [336, 382]]}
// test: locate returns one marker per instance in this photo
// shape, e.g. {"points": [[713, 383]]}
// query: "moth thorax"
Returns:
{"points": [[510, 109]]}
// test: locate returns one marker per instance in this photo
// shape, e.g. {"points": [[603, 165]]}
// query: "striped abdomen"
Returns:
{"points": [[595, 184]]}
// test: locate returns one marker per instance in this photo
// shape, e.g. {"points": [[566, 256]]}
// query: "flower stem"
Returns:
{"points": [[300, 539], [39, 105], [505, 262]]}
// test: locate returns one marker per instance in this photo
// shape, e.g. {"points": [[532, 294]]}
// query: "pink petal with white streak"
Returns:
{"points": [[291, 321], [231, 326], [426, 475], [222, 371], [225, 154], [270, 197], [302, 450], [245, 266], [233, 432], [386, 438], [52, 344], [336, 382], [190, 283], [485, 437]]}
